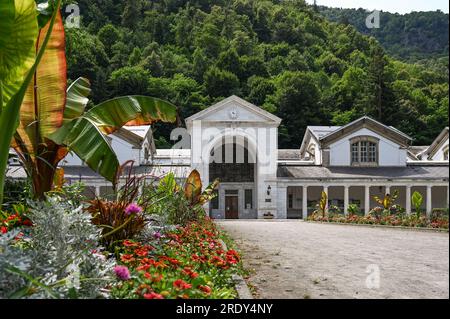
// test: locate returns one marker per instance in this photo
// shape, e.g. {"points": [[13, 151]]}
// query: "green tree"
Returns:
{"points": [[297, 97], [108, 35], [129, 80], [131, 13], [220, 83]]}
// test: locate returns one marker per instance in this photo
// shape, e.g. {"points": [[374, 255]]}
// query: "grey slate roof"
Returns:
{"points": [[75, 173], [319, 131], [289, 154], [383, 173]]}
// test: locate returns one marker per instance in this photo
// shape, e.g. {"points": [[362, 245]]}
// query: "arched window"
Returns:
{"points": [[364, 151], [446, 153]]}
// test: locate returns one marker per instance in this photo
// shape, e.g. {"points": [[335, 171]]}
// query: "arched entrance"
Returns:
{"points": [[233, 162]]}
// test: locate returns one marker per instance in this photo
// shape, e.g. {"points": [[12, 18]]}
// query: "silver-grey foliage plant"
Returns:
{"points": [[60, 259]]}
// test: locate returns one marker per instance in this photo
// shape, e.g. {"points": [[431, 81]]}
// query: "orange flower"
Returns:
{"points": [[126, 258], [129, 243], [141, 252]]}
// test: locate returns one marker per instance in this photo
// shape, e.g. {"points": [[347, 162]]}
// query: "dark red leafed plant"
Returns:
{"points": [[121, 218]]}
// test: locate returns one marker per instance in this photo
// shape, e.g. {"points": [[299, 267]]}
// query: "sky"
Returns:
{"points": [[400, 6]]}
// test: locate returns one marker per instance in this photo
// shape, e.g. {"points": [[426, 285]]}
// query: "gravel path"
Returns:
{"points": [[295, 259]]}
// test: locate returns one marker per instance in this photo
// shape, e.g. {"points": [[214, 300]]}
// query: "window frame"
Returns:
{"points": [[445, 153], [366, 146]]}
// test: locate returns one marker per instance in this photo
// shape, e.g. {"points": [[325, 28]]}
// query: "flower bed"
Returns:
{"points": [[390, 220], [189, 262]]}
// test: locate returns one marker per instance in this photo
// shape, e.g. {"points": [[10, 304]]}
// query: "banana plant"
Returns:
{"points": [[19, 59], [323, 203], [417, 200], [193, 189], [388, 200], [53, 119]]}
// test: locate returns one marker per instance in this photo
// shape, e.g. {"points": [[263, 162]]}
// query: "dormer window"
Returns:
{"points": [[364, 151]]}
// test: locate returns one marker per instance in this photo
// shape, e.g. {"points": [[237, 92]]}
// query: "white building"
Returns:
{"points": [[237, 142]]}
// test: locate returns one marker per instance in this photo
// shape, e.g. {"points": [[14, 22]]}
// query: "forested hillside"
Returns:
{"points": [[280, 55], [410, 37]]}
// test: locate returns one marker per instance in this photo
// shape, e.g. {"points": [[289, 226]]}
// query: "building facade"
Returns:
{"points": [[237, 142]]}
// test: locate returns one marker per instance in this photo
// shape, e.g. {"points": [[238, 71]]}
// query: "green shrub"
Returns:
{"points": [[59, 257]]}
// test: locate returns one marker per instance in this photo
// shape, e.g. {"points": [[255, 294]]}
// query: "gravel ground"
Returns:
{"points": [[295, 259]]}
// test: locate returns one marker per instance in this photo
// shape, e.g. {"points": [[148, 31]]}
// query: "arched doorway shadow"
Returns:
{"points": [[233, 160]]}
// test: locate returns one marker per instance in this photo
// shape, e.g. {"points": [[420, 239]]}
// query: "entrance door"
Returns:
{"points": [[231, 207]]}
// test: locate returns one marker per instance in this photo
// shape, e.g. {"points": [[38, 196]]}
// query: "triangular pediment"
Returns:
{"points": [[235, 109], [388, 132]]}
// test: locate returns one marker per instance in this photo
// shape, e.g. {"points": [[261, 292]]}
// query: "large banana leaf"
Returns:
{"points": [[77, 99], [110, 115], [43, 105], [193, 187], [84, 138], [85, 135], [18, 34], [10, 114]]}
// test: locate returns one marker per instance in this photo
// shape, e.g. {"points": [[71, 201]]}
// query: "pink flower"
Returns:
{"points": [[133, 209], [122, 272], [157, 235]]}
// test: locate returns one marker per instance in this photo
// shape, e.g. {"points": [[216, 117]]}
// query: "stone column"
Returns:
{"points": [[408, 200], [366, 200], [282, 202], [429, 200], [346, 199], [305, 202], [388, 190]]}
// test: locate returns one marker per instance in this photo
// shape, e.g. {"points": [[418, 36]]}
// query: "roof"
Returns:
{"points": [[416, 150], [237, 100], [430, 151], [289, 154], [140, 130], [364, 173], [320, 131], [365, 121], [75, 173]]}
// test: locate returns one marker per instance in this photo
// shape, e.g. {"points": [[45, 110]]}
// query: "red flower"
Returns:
{"points": [[126, 258], [27, 222], [129, 243], [4, 230], [141, 252], [205, 289], [153, 295], [181, 284], [188, 271], [143, 267], [154, 278]]}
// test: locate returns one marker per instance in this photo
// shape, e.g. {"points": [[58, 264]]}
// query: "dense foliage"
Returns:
{"points": [[410, 37], [281, 55], [67, 247]]}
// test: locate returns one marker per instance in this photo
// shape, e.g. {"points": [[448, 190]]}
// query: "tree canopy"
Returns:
{"points": [[284, 56]]}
